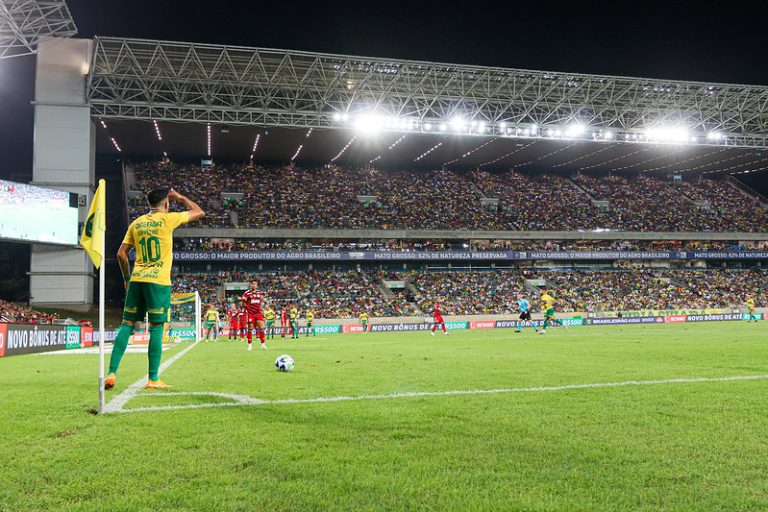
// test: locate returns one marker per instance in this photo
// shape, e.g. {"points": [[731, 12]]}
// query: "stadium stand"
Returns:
{"points": [[15, 313], [334, 197], [244, 244], [344, 294]]}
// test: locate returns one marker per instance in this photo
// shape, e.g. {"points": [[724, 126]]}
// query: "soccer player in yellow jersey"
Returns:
{"points": [[211, 323], [310, 316], [364, 320], [269, 317], [293, 315], [148, 286], [750, 303], [548, 307]]}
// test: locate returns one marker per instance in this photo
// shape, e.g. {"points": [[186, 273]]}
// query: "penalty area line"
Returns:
{"points": [[243, 400]]}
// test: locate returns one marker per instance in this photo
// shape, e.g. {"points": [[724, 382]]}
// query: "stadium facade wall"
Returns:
{"points": [[64, 156]]}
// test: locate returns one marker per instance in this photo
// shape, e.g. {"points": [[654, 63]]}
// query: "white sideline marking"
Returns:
{"points": [[117, 403], [242, 400], [132, 349]]}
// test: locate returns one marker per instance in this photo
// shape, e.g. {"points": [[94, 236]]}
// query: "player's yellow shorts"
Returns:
{"points": [[147, 298]]}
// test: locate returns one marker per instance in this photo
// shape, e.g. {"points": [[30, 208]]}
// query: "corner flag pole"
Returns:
{"points": [[93, 241], [101, 326]]}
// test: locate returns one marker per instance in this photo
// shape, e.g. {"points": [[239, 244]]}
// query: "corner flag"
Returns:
{"points": [[92, 238]]}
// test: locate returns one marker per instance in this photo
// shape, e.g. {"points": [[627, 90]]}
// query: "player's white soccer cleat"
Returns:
{"points": [[263, 346], [542, 332], [250, 347], [447, 333], [432, 333]]}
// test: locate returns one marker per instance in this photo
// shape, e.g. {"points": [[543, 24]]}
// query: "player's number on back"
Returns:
{"points": [[150, 248]]}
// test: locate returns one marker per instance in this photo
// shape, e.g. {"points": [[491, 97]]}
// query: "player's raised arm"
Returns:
{"points": [[194, 210]]}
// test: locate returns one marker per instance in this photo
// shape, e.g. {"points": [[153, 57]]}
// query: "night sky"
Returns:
{"points": [[676, 40]]}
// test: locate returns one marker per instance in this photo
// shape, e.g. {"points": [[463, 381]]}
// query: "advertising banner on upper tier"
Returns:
{"points": [[461, 255]]}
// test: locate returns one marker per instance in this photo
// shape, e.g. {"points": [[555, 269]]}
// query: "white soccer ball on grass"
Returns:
{"points": [[284, 363]]}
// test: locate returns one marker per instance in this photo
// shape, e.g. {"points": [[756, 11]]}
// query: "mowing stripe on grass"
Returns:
{"points": [[242, 400], [117, 403]]}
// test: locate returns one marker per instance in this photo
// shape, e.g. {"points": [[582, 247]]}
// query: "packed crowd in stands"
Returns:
{"points": [[467, 293], [654, 289], [238, 244], [341, 294], [334, 197], [329, 294], [15, 313]]}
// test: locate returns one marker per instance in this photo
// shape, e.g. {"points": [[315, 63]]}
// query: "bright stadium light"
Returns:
{"points": [[370, 123], [714, 136], [575, 130], [443, 127], [667, 134], [428, 127], [337, 117], [503, 125], [458, 123]]}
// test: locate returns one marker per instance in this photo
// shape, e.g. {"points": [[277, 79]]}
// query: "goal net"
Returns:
{"points": [[184, 324]]}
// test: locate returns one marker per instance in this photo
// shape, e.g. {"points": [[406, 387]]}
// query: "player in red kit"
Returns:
{"points": [[437, 318], [253, 302], [233, 315], [242, 325], [283, 322]]}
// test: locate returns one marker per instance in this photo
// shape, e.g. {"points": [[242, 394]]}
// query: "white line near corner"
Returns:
{"points": [[117, 403], [243, 400]]}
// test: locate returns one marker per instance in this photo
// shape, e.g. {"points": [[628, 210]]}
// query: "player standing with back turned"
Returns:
{"points": [[148, 287]]}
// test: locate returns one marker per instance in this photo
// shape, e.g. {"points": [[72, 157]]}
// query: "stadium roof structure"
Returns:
{"points": [[24, 22], [237, 103]]}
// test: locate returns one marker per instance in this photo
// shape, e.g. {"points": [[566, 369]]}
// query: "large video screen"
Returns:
{"points": [[37, 214]]}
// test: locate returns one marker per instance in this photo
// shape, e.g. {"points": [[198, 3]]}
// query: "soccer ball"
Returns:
{"points": [[284, 363]]}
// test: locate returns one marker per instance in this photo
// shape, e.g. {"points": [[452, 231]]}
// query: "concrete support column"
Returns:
{"points": [[64, 156]]}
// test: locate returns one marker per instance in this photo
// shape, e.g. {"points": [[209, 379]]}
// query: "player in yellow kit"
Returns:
{"points": [[548, 307], [269, 317], [364, 320], [310, 316], [148, 286], [211, 317], [750, 303], [293, 315]]}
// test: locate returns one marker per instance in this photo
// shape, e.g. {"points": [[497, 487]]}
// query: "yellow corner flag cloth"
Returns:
{"points": [[92, 238]]}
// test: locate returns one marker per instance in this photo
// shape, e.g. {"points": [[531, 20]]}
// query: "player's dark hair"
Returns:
{"points": [[156, 196]]}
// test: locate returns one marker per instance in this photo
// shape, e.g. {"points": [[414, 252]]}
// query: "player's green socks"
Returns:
{"points": [[155, 351], [119, 346]]}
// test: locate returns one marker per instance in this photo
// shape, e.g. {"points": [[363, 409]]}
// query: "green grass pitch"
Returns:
{"points": [[646, 446]]}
